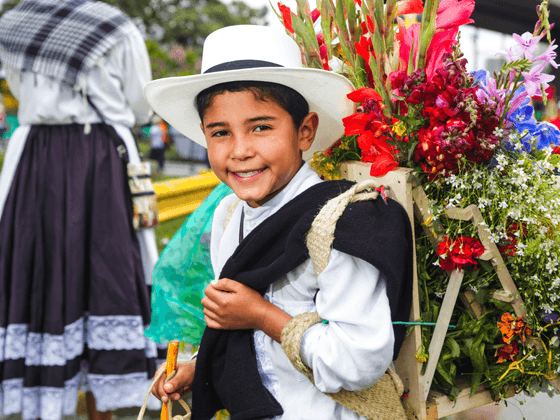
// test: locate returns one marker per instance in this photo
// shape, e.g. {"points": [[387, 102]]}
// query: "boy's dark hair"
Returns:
{"points": [[286, 97]]}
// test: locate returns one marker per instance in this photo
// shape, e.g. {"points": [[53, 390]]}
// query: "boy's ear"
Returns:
{"points": [[307, 131]]}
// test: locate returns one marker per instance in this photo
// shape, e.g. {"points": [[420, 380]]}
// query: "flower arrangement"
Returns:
{"points": [[470, 138]]}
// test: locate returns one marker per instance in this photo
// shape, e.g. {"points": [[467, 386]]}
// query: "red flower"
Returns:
{"points": [[454, 13], [404, 7], [459, 253], [360, 95], [383, 163], [556, 150], [286, 17], [315, 15], [508, 352], [372, 131], [370, 25], [508, 250]]}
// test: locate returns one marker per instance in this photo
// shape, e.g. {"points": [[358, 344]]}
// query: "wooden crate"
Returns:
{"points": [[422, 403]]}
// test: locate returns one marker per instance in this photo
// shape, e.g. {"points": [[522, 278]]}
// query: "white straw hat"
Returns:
{"points": [[253, 53]]}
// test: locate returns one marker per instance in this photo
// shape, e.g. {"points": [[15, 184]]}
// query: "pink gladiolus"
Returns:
{"points": [[549, 55], [407, 39], [442, 43], [454, 13], [405, 7], [525, 48], [535, 78]]}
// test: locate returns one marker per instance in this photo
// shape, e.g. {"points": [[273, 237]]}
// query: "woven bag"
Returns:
{"points": [[144, 198], [382, 400]]}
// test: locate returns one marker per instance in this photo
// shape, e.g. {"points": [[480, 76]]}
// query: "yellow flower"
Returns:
{"points": [[399, 128]]}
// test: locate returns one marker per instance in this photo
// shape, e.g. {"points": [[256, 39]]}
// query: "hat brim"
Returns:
{"points": [[326, 92]]}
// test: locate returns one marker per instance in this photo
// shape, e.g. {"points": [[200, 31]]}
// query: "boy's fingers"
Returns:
{"points": [[226, 285]]}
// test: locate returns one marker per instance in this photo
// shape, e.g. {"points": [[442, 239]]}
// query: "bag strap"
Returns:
{"points": [[117, 141], [321, 235]]}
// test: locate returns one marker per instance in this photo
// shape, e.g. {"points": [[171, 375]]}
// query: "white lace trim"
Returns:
{"points": [[102, 333], [120, 332], [49, 403], [117, 391]]}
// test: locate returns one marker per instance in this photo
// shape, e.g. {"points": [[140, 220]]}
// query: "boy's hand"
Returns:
{"points": [[177, 386], [231, 305]]}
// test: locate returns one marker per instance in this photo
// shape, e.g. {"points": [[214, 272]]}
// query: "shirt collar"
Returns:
{"points": [[302, 180]]}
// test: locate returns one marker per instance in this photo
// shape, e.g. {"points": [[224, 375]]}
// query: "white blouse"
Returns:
{"points": [[352, 351], [114, 86]]}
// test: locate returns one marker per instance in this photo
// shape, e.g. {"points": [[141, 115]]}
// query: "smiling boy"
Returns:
{"points": [[260, 115]]}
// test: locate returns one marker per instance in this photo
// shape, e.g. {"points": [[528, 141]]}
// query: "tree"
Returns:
{"points": [[175, 29]]}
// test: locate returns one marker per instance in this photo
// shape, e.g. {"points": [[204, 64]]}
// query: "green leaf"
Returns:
{"points": [[481, 296], [486, 265], [453, 346], [411, 149], [445, 375]]}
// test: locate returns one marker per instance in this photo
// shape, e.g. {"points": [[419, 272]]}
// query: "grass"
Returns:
{"points": [[165, 230]]}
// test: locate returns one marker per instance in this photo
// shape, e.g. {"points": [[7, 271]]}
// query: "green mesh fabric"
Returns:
{"points": [[181, 274]]}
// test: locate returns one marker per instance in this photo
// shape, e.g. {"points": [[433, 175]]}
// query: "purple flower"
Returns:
{"points": [[550, 317], [536, 80]]}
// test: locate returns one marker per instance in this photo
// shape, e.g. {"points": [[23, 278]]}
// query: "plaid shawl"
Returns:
{"points": [[60, 38]]}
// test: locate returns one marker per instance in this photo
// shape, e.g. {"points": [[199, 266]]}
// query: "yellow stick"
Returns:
{"points": [[172, 352]]}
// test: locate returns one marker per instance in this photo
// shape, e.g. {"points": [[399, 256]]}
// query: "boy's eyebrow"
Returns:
{"points": [[249, 121], [261, 118], [216, 124]]}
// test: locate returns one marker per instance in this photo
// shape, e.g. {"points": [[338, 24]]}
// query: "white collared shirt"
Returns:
{"points": [[352, 351]]}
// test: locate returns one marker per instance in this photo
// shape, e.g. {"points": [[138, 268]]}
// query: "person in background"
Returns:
{"points": [[159, 140], [74, 299]]}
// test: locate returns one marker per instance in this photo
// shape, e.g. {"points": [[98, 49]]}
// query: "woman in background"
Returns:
{"points": [[74, 299]]}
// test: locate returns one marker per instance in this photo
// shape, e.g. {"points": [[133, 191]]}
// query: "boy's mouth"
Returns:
{"points": [[248, 174]]}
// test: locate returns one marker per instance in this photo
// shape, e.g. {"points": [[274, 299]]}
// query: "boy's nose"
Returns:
{"points": [[242, 148]]}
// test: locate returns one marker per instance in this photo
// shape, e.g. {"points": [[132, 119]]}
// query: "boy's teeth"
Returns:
{"points": [[247, 174]]}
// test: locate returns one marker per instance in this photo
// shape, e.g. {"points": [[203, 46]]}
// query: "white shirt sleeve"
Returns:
{"points": [[355, 348], [136, 73]]}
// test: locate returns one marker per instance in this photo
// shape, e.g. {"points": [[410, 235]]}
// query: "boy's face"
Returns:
{"points": [[253, 145]]}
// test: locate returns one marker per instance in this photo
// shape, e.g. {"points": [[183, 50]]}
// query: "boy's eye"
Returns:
{"points": [[219, 133], [262, 128]]}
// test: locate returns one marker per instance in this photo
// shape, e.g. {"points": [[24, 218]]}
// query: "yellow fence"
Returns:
{"points": [[179, 197]]}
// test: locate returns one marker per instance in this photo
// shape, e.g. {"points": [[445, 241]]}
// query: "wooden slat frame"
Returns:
{"points": [[423, 404]]}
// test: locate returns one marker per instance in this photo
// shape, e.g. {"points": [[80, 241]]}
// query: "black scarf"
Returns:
{"points": [[226, 374]]}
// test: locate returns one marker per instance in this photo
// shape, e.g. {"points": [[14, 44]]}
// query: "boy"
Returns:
{"points": [[260, 113]]}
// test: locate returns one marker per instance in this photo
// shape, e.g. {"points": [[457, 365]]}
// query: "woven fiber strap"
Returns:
{"points": [[321, 235], [382, 400]]}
